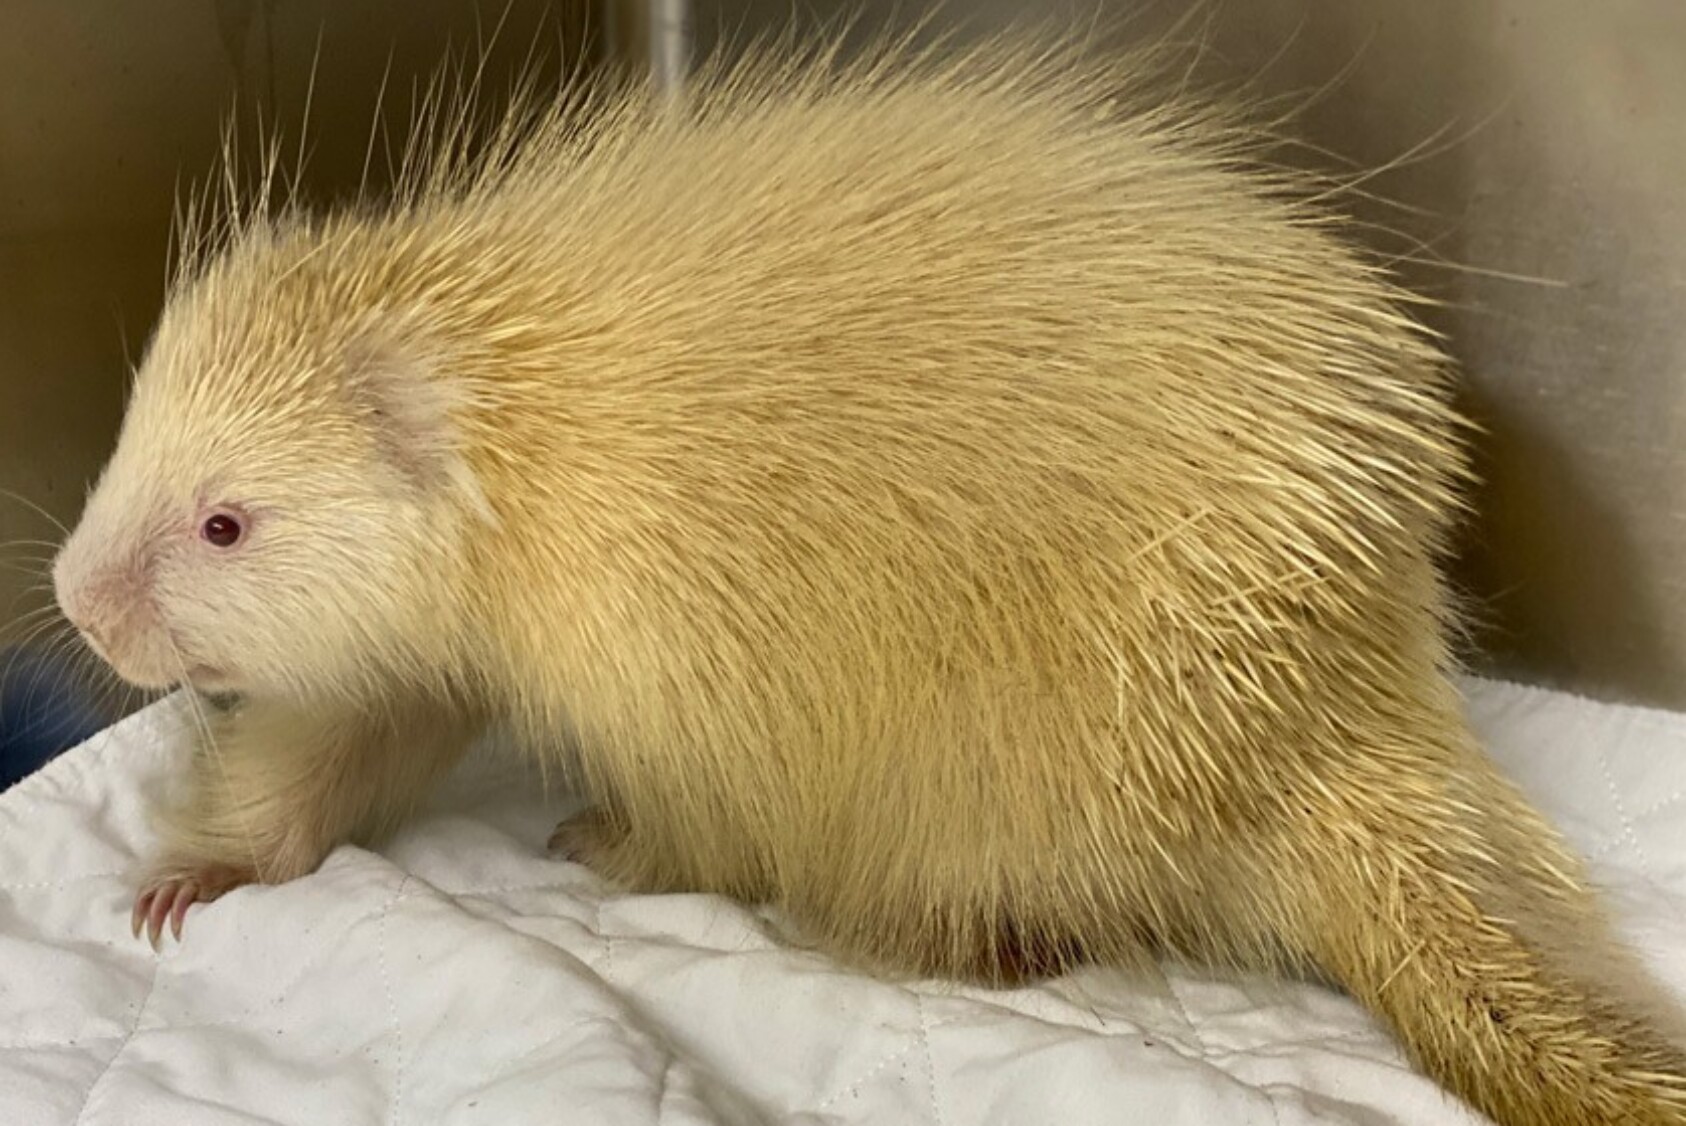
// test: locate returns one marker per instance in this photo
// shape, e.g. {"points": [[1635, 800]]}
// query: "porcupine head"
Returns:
{"points": [[286, 494]]}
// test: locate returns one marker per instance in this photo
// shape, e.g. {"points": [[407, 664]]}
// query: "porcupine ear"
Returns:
{"points": [[415, 418]]}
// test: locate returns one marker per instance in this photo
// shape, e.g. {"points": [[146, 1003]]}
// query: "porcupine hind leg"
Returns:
{"points": [[276, 785], [595, 838], [599, 838], [645, 837]]}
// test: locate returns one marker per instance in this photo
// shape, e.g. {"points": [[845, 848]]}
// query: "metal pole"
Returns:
{"points": [[655, 36]]}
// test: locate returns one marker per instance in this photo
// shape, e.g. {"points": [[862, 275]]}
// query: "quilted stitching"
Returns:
{"points": [[392, 1003], [641, 1004], [88, 1101], [930, 1063]]}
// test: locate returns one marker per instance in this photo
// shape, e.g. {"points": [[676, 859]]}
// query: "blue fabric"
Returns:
{"points": [[45, 709]]}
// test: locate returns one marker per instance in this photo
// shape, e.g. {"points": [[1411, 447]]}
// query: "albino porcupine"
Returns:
{"points": [[959, 499]]}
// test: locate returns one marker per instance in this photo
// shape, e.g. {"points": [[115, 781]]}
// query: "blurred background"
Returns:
{"points": [[1537, 144]]}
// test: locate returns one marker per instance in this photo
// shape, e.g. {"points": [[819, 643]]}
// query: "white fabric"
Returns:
{"points": [[459, 976]]}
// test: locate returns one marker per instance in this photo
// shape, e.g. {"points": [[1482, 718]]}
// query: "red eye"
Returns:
{"points": [[221, 530]]}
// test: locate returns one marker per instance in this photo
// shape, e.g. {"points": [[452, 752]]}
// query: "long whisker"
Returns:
{"points": [[27, 503]]}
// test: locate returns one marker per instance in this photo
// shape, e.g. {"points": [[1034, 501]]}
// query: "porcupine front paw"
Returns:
{"points": [[174, 886]]}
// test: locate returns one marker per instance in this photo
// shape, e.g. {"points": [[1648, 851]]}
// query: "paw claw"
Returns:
{"points": [[560, 843], [167, 896], [185, 897], [583, 838], [138, 914], [156, 910]]}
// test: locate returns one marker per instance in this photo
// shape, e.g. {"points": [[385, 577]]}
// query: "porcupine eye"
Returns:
{"points": [[221, 530]]}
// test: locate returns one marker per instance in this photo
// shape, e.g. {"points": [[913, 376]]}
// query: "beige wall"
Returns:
{"points": [[1567, 163]]}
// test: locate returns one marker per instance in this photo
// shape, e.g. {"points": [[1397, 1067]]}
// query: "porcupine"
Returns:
{"points": [[965, 500]]}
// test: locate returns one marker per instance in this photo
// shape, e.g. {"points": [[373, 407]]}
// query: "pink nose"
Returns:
{"points": [[87, 605]]}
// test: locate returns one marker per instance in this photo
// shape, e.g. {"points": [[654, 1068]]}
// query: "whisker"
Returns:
{"points": [[31, 505]]}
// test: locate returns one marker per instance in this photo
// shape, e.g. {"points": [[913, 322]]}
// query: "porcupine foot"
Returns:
{"points": [[174, 887], [592, 838], [277, 786]]}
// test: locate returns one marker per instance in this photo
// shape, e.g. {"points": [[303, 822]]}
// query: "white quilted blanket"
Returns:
{"points": [[458, 976]]}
